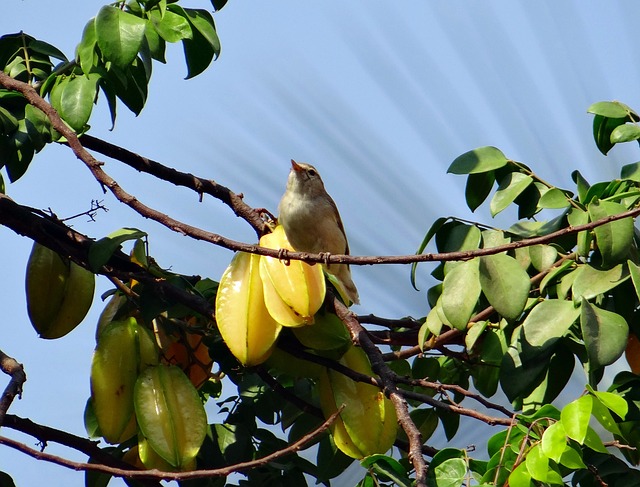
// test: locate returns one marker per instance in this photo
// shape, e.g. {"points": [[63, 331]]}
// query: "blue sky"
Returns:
{"points": [[380, 96]]}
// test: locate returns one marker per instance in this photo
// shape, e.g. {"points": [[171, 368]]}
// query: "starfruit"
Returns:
{"points": [[368, 422], [293, 292], [242, 317], [59, 292], [170, 415], [124, 350]]}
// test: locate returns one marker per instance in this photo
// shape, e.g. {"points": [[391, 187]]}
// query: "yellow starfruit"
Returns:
{"points": [[242, 317], [294, 291]]}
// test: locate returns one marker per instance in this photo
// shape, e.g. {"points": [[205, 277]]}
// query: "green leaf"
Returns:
{"points": [[387, 467], [631, 171], [542, 256], [119, 35], [204, 46], [76, 100], [547, 322], [426, 420], [554, 441], [460, 293], [602, 130], [171, 26], [509, 188], [610, 109], [478, 188], [555, 199], [520, 477], [625, 133], [447, 468], [538, 464], [423, 245], [554, 273], [505, 284], [575, 418], [614, 402], [614, 239], [455, 236], [590, 282], [101, 251], [47, 49], [604, 334], [604, 417], [572, 458], [581, 184], [479, 160], [6, 480]]}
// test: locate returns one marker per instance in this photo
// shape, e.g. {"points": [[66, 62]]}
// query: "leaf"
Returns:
{"points": [[604, 333], [614, 239], [520, 477], [101, 251], [590, 282], [426, 420], [509, 189], [610, 109], [542, 256], [575, 418], [171, 26], [460, 293], [555, 199], [119, 35], [423, 245], [479, 160], [204, 46], [554, 273], [581, 184], [614, 402], [478, 188], [76, 100], [387, 467], [505, 284], [575, 218], [554, 441], [631, 171], [455, 236], [47, 49], [547, 322], [451, 473], [625, 133]]}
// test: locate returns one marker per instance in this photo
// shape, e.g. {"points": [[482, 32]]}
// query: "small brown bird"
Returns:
{"points": [[312, 223]]}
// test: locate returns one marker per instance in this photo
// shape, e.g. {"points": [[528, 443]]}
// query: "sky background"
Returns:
{"points": [[380, 96]]}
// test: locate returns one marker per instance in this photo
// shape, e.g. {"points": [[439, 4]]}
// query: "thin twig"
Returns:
{"points": [[159, 475]]}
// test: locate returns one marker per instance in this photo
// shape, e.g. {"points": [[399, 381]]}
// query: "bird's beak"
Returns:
{"points": [[295, 166]]}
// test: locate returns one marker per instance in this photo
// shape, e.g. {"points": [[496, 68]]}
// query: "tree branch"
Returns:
{"points": [[198, 184], [105, 180], [12, 368], [130, 472]]}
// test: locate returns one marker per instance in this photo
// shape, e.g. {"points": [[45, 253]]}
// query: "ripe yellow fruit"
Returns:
{"points": [[124, 350], [59, 292], [294, 291], [368, 422], [243, 320]]}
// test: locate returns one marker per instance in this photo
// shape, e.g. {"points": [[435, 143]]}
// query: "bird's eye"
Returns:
{"points": [[312, 173]]}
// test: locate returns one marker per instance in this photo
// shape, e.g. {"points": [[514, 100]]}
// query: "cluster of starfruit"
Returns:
{"points": [[143, 385], [59, 292], [257, 297]]}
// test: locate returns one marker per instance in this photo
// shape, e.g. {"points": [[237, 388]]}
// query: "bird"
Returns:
{"points": [[312, 222]]}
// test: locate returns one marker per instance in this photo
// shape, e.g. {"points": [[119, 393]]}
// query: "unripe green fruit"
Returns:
{"points": [[368, 422], [124, 350], [59, 292], [170, 416]]}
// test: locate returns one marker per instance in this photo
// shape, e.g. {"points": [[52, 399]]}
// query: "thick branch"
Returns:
{"points": [[198, 184], [388, 383], [12, 368]]}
